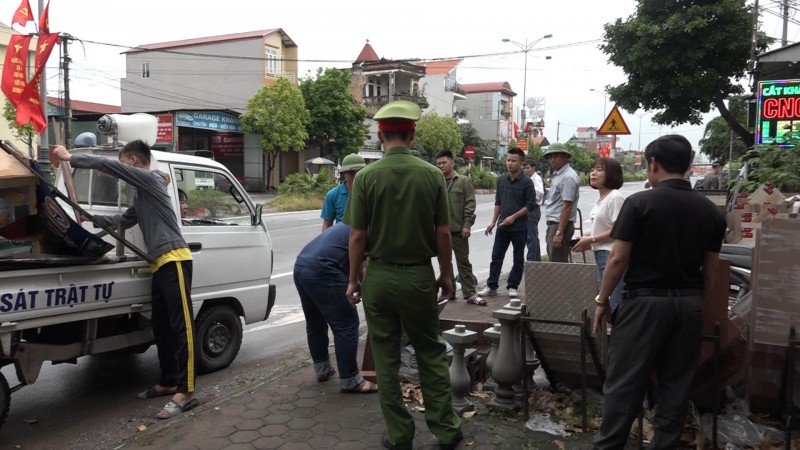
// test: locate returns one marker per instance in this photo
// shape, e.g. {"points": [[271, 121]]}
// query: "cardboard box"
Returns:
{"points": [[17, 190], [766, 193]]}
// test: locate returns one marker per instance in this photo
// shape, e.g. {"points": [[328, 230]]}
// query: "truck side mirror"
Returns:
{"points": [[256, 219]]}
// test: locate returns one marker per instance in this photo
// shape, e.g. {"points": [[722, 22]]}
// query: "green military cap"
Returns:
{"points": [[557, 148], [399, 110], [352, 163]]}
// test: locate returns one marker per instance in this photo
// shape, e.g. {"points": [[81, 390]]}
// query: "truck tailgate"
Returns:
{"points": [[58, 293]]}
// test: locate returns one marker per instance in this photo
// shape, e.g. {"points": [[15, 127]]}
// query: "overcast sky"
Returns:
{"points": [[331, 34]]}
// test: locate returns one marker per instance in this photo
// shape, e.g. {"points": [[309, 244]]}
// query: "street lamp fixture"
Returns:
{"points": [[605, 98], [526, 47]]}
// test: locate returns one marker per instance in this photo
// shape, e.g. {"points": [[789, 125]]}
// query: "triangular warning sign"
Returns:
{"points": [[614, 123]]}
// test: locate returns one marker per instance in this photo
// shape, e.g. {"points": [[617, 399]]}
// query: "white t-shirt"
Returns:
{"points": [[603, 215]]}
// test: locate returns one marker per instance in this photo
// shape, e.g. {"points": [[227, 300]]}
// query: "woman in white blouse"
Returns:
{"points": [[607, 178]]}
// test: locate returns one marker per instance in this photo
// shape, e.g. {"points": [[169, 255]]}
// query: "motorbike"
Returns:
{"points": [[741, 259]]}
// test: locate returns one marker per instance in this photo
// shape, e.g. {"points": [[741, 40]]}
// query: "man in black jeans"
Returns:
{"points": [[670, 258], [514, 198]]}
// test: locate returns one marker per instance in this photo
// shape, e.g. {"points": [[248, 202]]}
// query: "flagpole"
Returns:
{"points": [[44, 141]]}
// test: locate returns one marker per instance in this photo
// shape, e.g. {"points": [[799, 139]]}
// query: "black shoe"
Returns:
{"points": [[386, 443], [449, 445]]}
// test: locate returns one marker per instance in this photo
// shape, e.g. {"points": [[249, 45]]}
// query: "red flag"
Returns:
{"points": [[23, 14], [30, 105], [15, 68], [44, 19]]}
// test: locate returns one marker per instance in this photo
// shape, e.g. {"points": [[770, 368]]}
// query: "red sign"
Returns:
{"points": [[469, 152], [227, 145], [15, 69], [164, 133]]}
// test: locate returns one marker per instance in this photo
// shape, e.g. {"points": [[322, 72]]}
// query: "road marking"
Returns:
{"points": [[290, 315], [281, 275]]}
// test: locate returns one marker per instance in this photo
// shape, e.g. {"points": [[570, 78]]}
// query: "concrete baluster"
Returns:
{"points": [[493, 334], [507, 366], [459, 337]]}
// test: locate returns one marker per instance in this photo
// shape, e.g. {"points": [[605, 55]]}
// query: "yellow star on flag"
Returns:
{"points": [[43, 46]]}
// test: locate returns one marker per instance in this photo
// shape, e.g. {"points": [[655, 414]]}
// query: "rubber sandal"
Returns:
{"points": [[173, 409], [326, 377], [153, 393], [364, 388], [477, 301]]}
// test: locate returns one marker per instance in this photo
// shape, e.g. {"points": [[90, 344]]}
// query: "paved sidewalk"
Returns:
{"points": [[290, 410]]}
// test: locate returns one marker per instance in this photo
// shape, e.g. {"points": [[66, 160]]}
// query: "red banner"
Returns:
{"points": [[165, 125], [30, 104], [23, 14], [44, 20], [227, 145], [15, 68]]}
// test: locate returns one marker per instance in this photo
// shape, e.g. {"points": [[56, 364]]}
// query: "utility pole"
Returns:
{"points": [[785, 9], [65, 38], [558, 130], [44, 141]]}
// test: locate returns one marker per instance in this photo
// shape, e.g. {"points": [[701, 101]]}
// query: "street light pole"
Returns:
{"points": [[605, 99], [526, 47]]}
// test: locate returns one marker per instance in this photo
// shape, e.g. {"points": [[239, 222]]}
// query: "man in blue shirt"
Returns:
{"points": [[321, 273], [336, 199], [514, 199]]}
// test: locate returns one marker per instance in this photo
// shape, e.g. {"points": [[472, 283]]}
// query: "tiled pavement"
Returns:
{"points": [[290, 410]]}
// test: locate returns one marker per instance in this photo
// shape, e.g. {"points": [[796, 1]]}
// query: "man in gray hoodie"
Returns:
{"points": [[172, 315]]}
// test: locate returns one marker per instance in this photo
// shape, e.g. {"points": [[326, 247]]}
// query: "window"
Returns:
{"points": [[271, 61], [95, 187], [211, 199], [145, 69]]}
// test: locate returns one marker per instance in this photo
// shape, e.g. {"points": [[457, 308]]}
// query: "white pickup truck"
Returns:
{"points": [[60, 308]]}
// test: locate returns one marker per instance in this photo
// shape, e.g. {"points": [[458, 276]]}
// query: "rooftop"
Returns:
{"points": [[496, 86], [287, 41]]}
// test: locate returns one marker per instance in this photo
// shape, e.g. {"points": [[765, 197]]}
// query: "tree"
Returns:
{"points": [[682, 57], [716, 141], [337, 121], [436, 133], [279, 116], [23, 133], [469, 136], [581, 160]]}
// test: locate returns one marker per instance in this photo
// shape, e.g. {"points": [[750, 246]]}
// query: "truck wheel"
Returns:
{"points": [[218, 331], [5, 399]]}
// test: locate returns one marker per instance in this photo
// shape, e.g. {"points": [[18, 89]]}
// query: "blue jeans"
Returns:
{"points": [[601, 258], [502, 239], [324, 301], [534, 249]]}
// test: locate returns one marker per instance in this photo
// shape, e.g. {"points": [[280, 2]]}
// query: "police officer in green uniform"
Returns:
{"points": [[403, 202]]}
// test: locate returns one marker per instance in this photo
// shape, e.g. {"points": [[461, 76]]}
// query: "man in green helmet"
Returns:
{"points": [[336, 199], [403, 202]]}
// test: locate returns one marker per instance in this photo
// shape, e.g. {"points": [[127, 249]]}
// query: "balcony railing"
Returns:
{"points": [[376, 101], [291, 76]]}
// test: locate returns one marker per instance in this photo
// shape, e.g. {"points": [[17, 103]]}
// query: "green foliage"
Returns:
{"points": [[771, 163], [295, 202], [23, 133], [436, 133], [481, 179], [680, 57], [581, 160], [469, 136], [278, 114], [305, 183], [716, 141], [337, 121], [205, 198]]}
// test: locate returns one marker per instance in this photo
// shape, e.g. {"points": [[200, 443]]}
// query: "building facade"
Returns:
{"points": [[488, 107], [198, 88], [441, 89], [378, 81], [588, 138]]}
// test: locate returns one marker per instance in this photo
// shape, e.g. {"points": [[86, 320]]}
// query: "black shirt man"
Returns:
{"points": [[668, 238]]}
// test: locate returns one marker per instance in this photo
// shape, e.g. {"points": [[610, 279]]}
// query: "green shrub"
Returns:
{"points": [[481, 179], [296, 202], [307, 184], [634, 176]]}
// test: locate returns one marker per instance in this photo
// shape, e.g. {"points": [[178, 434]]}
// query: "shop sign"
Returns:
{"points": [[164, 133], [227, 145], [209, 120]]}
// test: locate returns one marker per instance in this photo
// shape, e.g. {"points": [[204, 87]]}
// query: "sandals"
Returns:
{"points": [[364, 388], [173, 409], [476, 300], [153, 393], [326, 377]]}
